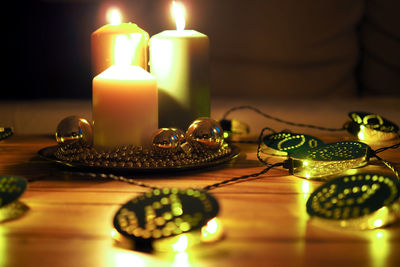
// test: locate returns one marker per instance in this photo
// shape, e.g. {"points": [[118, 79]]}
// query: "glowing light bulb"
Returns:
{"points": [[178, 12], [212, 231], [377, 223], [361, 135]]}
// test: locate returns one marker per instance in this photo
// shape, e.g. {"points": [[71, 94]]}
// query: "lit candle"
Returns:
{"points": [[103, 42], [125, 102], [179, 59]]}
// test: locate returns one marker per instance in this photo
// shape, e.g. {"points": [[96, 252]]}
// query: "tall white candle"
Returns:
{"points": [[124, 103], [179, 59], [103, 43]]}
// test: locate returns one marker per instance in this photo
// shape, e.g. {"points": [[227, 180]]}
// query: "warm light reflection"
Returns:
{"points": [[126, 258], [178, 12], [181, 244], [123, 50], [126, 73], [305, 188], [181, 259], [114, 234], [212, 231], [114, 16], [379, 218], [360, 134], [177, 243], [379, 247], [3, 247]]}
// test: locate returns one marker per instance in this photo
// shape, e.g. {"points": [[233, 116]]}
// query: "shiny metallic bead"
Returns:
{"points": [[206, 132], [168, 138], [72, 130]]}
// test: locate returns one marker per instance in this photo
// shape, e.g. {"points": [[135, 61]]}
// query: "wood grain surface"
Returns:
{"points": [[69, 222]]}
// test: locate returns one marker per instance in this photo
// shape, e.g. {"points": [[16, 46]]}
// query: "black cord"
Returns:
{"points": [[112, 177], [206, 188], [280, 120], [389, 165], [236, 179], [379, 150]]}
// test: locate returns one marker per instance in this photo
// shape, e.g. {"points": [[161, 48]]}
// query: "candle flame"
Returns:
{"points": [[178, 12], [114, 16]]}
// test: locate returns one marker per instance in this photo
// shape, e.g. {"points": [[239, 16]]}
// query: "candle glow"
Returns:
{"points": [[114, 16], [178, 12], [123, 51]]}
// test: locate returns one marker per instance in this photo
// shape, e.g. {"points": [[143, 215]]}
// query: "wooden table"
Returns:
{"points": [[265, 221]]}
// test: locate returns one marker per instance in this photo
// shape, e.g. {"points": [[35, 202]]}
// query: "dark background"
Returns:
{"points": [[258, 47]]}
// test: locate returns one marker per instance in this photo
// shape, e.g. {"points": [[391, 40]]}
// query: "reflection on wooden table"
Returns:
{"points": [[264, 219]]}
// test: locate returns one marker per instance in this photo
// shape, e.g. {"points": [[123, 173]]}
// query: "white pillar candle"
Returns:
{"points": [[125, 106], [179, 59]]}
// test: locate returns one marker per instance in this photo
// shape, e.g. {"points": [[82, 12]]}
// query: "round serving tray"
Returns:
{"points": [[48, 154]]}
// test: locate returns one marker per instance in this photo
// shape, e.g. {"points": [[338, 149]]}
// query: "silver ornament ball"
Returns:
{"points": [[73, 129], [168, 138], [207, 132]]}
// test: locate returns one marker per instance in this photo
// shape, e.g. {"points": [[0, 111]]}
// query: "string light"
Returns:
{"points": [[327, 160], [170, 215], [361, 201], [285, 143]]}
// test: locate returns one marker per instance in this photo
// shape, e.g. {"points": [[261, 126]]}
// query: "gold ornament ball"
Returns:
{"points": [[168, 138], [207, 132], [73, 129]]}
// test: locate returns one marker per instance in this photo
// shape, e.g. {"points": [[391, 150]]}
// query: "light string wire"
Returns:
{"points": [[280, 120], [234, 179], [293, 124], [385, 162], [253, 175], [226, 182], [379, 150]]}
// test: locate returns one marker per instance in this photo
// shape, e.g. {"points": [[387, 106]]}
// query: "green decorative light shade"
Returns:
{"points": [[371, 128], [11, 188], [285, 143], [327, 160], [362, 201], [5, 132], [13, 211], [164, 213]]}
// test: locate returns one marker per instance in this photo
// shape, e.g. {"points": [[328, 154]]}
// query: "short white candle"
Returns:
{"points": [[179, 59], [125, 106]]}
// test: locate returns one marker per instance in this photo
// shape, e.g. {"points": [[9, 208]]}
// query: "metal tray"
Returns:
{"points": [[48, 154]]}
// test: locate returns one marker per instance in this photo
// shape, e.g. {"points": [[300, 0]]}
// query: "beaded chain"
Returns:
{"points": [[139, 157]]}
